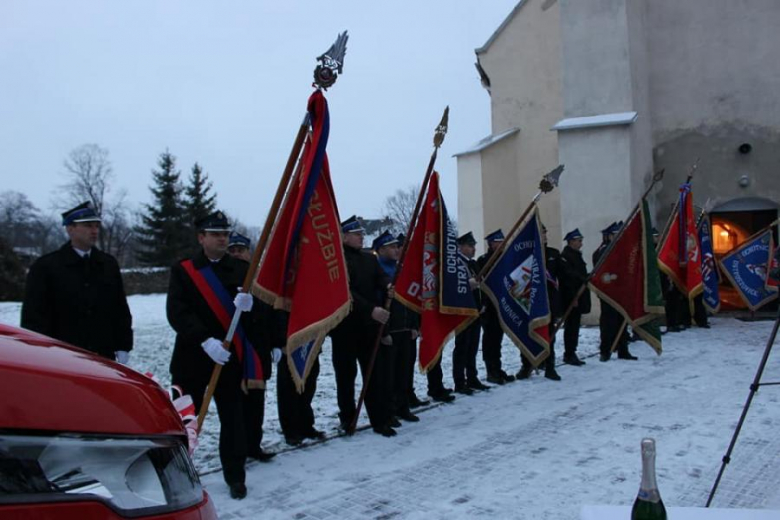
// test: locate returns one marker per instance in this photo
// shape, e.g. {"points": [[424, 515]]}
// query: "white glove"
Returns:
{"points": [[386, 340], [380, 315], [276, 355], [122, 356], [243, 302], [214, 349]]}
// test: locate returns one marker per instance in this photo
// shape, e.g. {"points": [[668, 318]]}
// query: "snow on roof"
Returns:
{"points": [[489, 42], [488, 141], [573, 123]]}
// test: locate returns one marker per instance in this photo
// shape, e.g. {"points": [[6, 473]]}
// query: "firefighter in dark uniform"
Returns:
{"points": [[403, 327], [493, 334], [239, 246], [353, 338], [464, 357], [573, 274], [76, 295], [199, 335], [611, 322], [552, 263]]}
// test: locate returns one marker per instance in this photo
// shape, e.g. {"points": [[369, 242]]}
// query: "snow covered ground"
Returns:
{"points": [[532, 449]]}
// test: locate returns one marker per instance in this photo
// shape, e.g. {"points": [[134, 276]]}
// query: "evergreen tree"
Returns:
{"points": [[163, 234], [199, 202]]}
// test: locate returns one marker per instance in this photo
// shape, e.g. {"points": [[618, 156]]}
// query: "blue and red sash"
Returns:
{"points": [[221, 304]]}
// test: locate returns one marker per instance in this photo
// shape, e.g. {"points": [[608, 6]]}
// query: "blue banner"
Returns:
{"points": [[455, 294], [709, 269], [746, 268], [517, 286]]}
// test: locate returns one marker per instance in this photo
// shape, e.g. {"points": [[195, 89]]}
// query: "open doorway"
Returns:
{"points": [[732, 223]]}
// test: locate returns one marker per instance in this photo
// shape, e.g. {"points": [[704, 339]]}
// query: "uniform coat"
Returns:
{"points": [[573, 274], [81, 302], [353, 341]]}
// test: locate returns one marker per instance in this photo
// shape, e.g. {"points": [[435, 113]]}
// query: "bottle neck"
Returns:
{"points": [[648, 489]]}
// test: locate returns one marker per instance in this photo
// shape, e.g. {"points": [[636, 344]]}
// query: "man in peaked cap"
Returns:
{"points": [[403, 327], [493, 336], [238, 246], [573, 274], [200, 290], [76, 294], [464, 356], [611, 323], [353, 338]]}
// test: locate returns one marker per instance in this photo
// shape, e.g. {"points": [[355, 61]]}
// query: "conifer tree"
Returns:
{"points": [[163, 235], [199, 201]]}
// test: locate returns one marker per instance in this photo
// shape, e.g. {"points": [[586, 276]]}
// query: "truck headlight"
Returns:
{"points": [[132, 476]]}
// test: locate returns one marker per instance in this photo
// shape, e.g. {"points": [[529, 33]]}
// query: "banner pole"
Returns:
{"points": [[546, 185], [325, 75], [753, 389], [256, 255], [438, 139]]}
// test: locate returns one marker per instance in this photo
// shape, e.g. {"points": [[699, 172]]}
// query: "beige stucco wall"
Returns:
{"points": [[714, 83], [470, 216], [524, 68]]}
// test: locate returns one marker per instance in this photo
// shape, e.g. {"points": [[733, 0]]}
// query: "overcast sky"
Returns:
{"points": [[225, 83]]}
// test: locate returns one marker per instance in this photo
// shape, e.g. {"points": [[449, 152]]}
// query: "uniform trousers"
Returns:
{"points": [[240, 419], [571, 332], [353, 347], [402, 370], [296, 416], [464, 356], [491, 343]]}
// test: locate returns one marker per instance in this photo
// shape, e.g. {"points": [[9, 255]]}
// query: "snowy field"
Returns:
{"points": [[532, 449]]}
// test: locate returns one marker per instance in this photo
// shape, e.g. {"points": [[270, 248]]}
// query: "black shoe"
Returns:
{"points": [[260, 455], [705, 326], [237, 490], [604, 357], [385, 431], [293, 440], [313, 433], [393, 422], [478, 385], [507, 377], [627, 355], [496, 379], [408, 416], [552, 374], [524, 373], [463, 389], [447, 390], [415, 402], [572, 359], [443, 397], [674, 328]]}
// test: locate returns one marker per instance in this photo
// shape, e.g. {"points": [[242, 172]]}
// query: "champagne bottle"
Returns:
{"points": [[648, 504]]}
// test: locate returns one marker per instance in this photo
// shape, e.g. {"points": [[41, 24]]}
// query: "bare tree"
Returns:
{"points": [[17, 213], [22, 226], [89, 175], [400, 206]]}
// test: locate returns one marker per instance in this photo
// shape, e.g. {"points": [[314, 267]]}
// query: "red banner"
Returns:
{"points": [[419, 283], [628, 279], [303, 269], [680, 253]]}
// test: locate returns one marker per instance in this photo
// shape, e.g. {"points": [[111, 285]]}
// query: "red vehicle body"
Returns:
{"points": [[82, 437]]}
